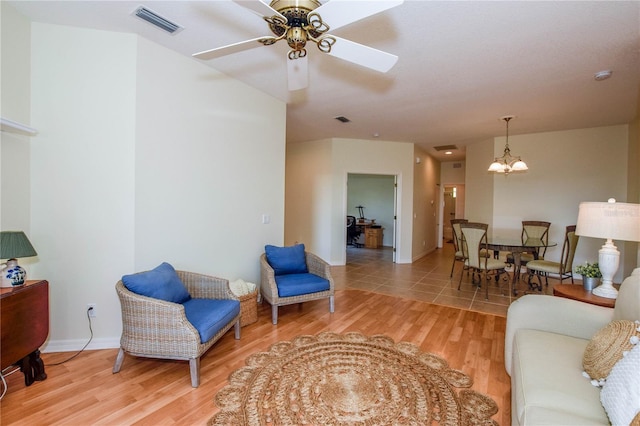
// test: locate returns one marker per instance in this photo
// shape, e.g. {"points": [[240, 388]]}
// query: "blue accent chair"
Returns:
{"points": [[174, 315], [291, 275]]}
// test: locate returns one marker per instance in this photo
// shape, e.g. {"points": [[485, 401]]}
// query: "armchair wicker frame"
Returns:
{"points": [[269, 289], [155, 328]]}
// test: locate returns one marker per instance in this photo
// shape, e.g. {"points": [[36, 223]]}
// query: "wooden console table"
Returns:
{"points": [[577, 292], [25, 327]]}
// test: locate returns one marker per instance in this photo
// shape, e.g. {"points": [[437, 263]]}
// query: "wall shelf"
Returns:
{"points": [[15, 127]]}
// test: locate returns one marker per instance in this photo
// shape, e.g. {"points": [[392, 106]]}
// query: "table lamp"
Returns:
{"points": [[612, 221], [14, 244]]}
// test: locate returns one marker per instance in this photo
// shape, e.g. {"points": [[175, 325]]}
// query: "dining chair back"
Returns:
{"points": [[563, 269], [536, 230], [474, 248], [457, 237]]}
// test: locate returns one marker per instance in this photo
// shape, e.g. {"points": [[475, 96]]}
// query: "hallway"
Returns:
{"points": [[427, 279]]}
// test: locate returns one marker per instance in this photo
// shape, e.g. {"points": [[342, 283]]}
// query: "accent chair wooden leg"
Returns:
{"points": [[119, 359], [331, 304], [194, 368], [274, 314], [237, 330]]}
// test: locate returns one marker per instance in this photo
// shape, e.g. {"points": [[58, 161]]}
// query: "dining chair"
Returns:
{"points": [[474, 249], [563, 268], [457, 238], [532, 230]]}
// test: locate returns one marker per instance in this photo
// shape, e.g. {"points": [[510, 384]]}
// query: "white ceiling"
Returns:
{"points": [[462, 65]]}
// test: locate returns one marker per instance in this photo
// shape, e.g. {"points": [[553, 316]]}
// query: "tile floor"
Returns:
{"points": [[426, 279]]}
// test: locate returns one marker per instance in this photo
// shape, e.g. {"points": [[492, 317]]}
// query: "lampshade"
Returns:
{"points": [[610, 220], [15, 244]]}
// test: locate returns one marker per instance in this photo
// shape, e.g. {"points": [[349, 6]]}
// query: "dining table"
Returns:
{"points": [[517, 247]]}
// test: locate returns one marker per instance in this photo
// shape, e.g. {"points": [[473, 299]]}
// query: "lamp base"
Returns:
{"points": [[607, 291], [12, 274]]}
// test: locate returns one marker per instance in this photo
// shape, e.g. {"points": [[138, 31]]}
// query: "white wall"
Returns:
{"points": [[143, 156], [565, 168]]}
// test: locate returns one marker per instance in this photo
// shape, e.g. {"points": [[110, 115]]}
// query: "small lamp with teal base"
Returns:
{"points": [[14, 244]]}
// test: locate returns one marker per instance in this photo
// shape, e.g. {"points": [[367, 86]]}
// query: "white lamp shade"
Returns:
{"points": [[611, 220], [519, 166]]}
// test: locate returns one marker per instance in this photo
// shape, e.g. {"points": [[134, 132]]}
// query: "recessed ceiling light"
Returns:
{"points": [[602, 75], [448, 153]]}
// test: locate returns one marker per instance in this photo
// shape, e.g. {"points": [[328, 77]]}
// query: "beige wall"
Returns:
{"points": [[565, 168], [15, 101], [322, 167], [426, 204], [142, 156]]}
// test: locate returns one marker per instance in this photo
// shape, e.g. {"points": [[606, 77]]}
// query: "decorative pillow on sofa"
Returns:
{"points": [[620, 395], [287, 260], [607, 347], [162, 283]]}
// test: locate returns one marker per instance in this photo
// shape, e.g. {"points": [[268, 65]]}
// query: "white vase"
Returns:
{"points": [[12, 274]]}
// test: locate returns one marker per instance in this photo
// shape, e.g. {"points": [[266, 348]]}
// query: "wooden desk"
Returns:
{"points": [[577, 292], [24, 312]]}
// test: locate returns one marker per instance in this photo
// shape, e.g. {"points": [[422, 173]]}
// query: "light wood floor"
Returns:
{"points": [[84, 391]]}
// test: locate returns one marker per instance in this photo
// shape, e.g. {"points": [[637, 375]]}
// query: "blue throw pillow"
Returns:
{"points": [[287, 260], [162, 283]]}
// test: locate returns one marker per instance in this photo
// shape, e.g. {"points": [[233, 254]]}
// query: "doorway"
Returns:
{"points": [[451, 207], [373, 198]]}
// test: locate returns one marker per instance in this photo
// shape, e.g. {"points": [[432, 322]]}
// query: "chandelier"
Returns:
{"points": [[507, 163]]}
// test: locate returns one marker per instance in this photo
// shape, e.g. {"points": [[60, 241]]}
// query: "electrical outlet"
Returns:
{"points": [[91, 307]]}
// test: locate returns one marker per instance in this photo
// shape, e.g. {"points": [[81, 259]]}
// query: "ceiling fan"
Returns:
{"points": [[301, 21]]}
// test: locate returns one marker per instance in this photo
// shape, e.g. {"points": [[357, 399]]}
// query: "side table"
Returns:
{"points": [[577, 292], [24, 328]]}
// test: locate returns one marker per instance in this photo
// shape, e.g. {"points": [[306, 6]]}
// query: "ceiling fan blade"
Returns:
{"points": [[338, 13], [259, 8], [362, 55], [232, 48], [298, 73]]}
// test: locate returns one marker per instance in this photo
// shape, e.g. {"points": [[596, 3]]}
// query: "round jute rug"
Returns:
{"points": [[349, 379]]}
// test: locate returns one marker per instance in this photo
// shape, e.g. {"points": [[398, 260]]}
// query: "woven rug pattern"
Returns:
{"points": [[349, 379]]}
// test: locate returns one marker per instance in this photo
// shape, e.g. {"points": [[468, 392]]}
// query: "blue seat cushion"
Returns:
{"points": [[209, 316], [287, 260], [162, 283], [299, 284]]}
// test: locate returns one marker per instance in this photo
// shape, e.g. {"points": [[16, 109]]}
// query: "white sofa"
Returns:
{"points": [[545, 341]]}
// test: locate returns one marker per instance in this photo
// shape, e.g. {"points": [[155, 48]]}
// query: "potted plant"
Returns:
{"points": [[590, 275]]}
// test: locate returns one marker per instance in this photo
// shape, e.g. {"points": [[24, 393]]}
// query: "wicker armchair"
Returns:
{"points": [[269, 288], [155, 328]]}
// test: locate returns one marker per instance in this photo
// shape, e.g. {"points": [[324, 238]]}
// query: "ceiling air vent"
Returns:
{"points": [[445, 147], [342, 119], [153, 18]]}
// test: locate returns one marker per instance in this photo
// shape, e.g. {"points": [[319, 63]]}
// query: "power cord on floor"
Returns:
{"points": [[84, 347], [3, 375]]}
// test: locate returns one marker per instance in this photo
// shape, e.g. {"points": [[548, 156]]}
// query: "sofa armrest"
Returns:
{"points": [[555, 315]]}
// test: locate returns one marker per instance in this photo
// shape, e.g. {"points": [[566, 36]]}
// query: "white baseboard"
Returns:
{"points": [[77, 344]]}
